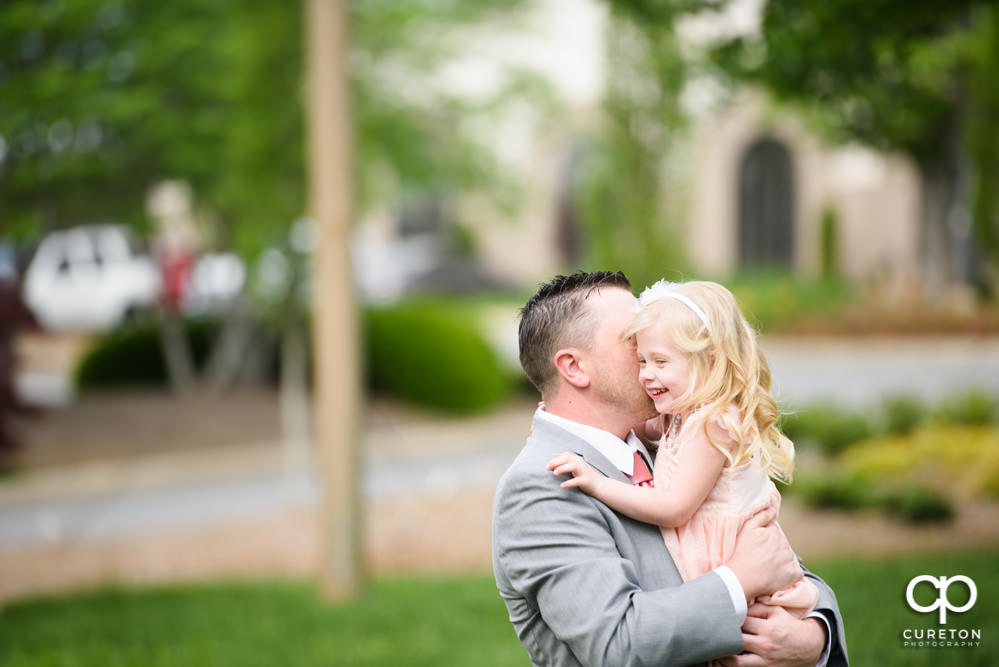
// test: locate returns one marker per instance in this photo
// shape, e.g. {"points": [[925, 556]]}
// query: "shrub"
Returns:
{"points": [[776, 301], [428, 352], [902, 414], [845, 490], [960, 460], [831, 428], [836, 491], [918, 504], [829, 242], [432, 356], [133, 355], [973, 407]]}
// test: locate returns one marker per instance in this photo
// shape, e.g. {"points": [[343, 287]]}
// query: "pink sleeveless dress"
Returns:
{"points": [[707, 540]]}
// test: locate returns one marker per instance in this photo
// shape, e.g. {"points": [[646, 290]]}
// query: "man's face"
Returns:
{"points": [[613, 362]]}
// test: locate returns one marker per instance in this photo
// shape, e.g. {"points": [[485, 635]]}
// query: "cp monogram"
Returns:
{"points": [[942, 602]]}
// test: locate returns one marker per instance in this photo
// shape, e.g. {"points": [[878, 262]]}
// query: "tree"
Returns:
{"points": [[102, 99], [917, 77], [620, 175]]}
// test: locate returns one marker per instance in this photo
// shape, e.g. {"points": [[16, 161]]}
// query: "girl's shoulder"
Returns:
{"points": [[725, 418], [721, 425]]}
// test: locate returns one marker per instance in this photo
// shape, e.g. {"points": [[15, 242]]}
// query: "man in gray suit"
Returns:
{"points": [[587, 586]]}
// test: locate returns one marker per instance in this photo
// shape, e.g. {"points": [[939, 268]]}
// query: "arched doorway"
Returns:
{"points": [[766, 206]]}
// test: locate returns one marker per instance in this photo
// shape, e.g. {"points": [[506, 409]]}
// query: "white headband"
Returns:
{"points": [[664, 289]]}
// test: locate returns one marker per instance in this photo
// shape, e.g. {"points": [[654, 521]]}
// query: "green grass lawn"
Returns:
{"points": [[427, 621]]}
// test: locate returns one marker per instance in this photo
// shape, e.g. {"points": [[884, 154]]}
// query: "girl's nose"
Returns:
{"points": [[644, 373]]}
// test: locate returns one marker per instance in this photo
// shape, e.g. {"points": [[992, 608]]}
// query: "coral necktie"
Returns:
{"points": [[640, 475]]}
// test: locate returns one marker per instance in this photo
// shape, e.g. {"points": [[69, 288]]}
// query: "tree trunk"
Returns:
{"points": [[948, 251]]}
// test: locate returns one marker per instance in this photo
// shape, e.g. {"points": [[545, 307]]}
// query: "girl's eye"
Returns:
{"points": [[660, 361]]}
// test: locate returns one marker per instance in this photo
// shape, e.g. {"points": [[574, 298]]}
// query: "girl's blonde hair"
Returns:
{"points": [[727, 368]]}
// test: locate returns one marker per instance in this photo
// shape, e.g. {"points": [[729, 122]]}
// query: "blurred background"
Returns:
{"points": [[835, 164]]}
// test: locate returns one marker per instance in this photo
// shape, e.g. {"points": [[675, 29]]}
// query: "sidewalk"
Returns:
{"points": [[182, 510]]}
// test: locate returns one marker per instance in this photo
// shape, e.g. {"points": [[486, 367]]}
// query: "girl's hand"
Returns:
{"points": [[583, 475], [651, 431]]}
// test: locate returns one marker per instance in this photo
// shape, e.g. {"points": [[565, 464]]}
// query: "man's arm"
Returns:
{"points": [[775, 638], [557, 548]]}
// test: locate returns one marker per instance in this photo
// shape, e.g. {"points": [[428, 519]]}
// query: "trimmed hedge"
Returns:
{"points": [[831, 428], [429, 353], [435, 357], [912, 502], [919, 476], [132, 355], [834, 429]]}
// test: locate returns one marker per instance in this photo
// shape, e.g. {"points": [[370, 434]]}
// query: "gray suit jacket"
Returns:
{"points": [[587, 586]]}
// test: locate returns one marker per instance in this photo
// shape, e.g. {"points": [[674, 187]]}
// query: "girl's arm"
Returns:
{"points": [[699, 466]]}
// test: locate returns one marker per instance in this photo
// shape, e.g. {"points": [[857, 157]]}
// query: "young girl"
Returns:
{"points": [[719, 444]]}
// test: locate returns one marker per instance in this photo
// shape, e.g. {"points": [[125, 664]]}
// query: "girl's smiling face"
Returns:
{"points": [[664, 371]]}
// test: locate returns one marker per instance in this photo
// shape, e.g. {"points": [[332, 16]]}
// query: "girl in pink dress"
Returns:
{"points": [[718, 441]]}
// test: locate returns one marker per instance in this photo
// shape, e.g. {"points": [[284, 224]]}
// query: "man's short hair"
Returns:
{"points": [[552, 319]]}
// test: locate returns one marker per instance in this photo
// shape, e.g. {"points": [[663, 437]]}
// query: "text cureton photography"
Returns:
{"points": [[941, 636]]}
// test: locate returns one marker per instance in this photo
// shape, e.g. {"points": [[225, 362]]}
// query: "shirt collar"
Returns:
{"points": [[619, 452]]}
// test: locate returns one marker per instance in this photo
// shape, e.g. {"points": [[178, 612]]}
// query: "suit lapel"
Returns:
{"points": [[647, 549], [573, 443]]}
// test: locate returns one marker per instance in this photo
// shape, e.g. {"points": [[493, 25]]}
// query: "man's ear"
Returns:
{"points": [[567, 363]]}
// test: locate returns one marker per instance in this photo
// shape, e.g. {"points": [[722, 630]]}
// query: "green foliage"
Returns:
{"points": [[268, 623], [911, 502], [429, 354], [829, 243], [896, 75], [627, 201], [835, 491], [100, 100], [902, 414], [906, 459], [772, 301], [133, 355], [829, 427], [834, 428], [920, 78], [982, 138], [918, 504], [974, 407], [962, 461]]}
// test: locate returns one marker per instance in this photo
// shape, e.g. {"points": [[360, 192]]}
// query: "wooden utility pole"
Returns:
{"points": [[338, 401]]}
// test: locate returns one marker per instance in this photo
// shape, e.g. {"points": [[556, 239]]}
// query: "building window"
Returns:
{"points": [[766, 207]]}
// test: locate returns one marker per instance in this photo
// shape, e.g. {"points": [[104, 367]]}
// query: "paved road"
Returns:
{"points": [[851, 372], [83, 515]]}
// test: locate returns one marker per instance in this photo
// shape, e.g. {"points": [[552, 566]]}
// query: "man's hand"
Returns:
{"points": [[775, 638], [763, 560], [583, 475]]}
